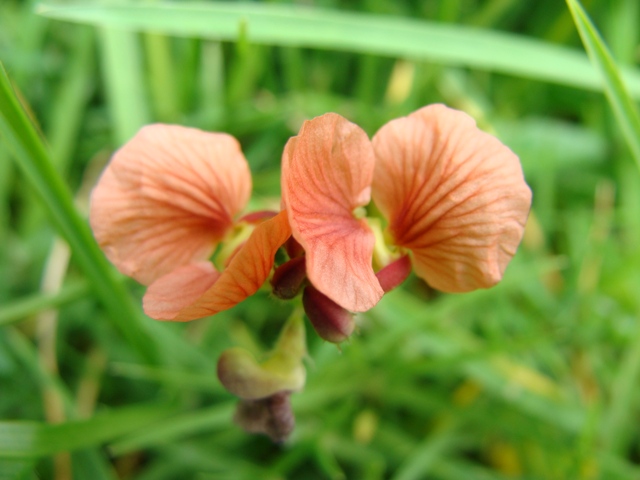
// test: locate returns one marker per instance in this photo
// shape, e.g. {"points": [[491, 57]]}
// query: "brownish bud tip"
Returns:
{"points": [[289, 278], [394, 274], [271, 416], [332, 322]]}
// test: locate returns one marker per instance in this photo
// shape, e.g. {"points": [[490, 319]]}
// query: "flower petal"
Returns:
{"points": [[170, 297], [326, 174], [179, 289], [453, 194], [167, 197]]}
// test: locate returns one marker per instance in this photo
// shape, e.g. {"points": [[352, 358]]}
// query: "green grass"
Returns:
{"points": [[534, 379]]}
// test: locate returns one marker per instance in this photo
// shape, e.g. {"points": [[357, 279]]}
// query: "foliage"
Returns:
{"points": [[533, 379]]}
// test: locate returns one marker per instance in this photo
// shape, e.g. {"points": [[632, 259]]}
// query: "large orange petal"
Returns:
{"points": [[453, 194], [167, 197], [198, 291], [326, 174]]}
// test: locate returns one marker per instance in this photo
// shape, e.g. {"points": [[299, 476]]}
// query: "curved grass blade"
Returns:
{"points": [[23, 439], [15, 468], [19, 134], [614, 86], [25, 307], [618, 419], [427, 453], [123, 79], [295, 26], [178, 427]]}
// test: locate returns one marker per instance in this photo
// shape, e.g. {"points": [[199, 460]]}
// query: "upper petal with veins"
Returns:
{"points": [[326, 174], [453, 194], [167, 197]]}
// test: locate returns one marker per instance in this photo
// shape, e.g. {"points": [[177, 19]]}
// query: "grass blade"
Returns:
{"points": [[15, 469], [614, 85], [34, 439], [71, 100], [32, 159], [618, 419], [122, 72], [162, 77], [295, 26], [26, 307], [6, 177], [188, 423], [418, 464]]}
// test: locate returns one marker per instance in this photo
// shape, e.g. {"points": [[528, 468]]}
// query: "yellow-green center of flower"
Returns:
{"points": [[384, 252], [359, 212], [239, 234]]}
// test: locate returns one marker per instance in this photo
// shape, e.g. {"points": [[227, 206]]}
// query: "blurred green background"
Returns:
{"points": [[533, 379]]}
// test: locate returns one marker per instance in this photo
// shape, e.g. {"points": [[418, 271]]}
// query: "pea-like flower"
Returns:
{"points": [[454, 199], [166, 201], [167, 211]]}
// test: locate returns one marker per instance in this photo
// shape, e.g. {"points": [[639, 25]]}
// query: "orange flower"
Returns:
{"points": [[453, 196], [162, 206]]}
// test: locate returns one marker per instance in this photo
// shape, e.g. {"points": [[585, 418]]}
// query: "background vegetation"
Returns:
{"points": [[534, 379]]}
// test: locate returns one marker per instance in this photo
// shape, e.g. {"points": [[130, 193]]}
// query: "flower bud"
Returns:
{"points": [[289, 278], [271, 416], [394, 274], [332, 322], [243, 376], [264, 388]]}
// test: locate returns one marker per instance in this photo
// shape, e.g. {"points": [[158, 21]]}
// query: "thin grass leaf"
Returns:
{"points": [[15, 468], [182, 379], [34, 439], [68, 107], [296, 26], [122, 72], [618, 418], [426, 454], [211, 80], [23, 141], [71, 99], [23, 350], [614, 85], [6, 177], [490, 372], [178, 427], [30, 39], [448, 467], [225, 463], [162, 77], [618, 424], [93, 464], [87, 459], [26, 307], [327, 463]]}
